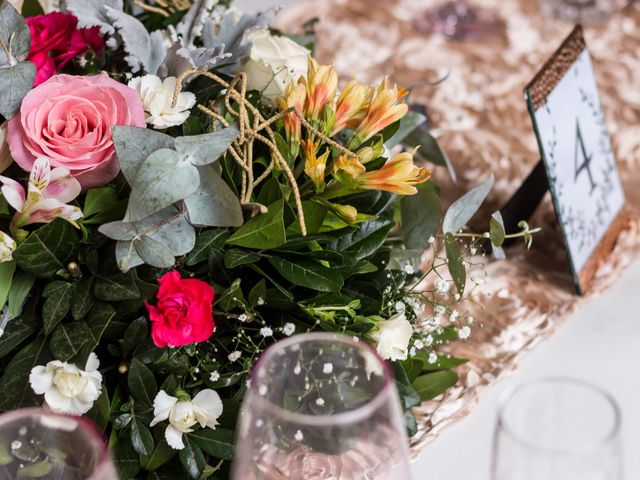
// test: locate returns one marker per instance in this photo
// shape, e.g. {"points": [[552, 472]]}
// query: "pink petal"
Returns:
{"points": [[62, 186]]}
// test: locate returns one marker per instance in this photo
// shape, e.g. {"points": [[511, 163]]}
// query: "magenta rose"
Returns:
{"points": [[68, 120]]}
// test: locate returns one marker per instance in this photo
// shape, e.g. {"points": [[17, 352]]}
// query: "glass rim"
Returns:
{"points": [[351, 416], [510, 393], [103, 462]]}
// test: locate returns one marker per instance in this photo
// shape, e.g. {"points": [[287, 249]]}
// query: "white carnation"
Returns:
{"points": [[157, 97], [65, 387]]}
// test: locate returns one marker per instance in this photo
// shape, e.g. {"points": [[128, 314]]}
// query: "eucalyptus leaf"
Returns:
{"points": [[206, 148], [461, 211], [48, 249], [429, 150], [153, 252], [15, 35], [214, 204], [134, 145], [15, 387], [496, 229], [263, 231], [15, 83], [420, 217], [162, 180]]}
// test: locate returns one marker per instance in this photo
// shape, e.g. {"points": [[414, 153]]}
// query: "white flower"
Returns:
{"points": [[439, 310], [260, 301], [433, 358], [66, 388], [243, 317], [273, 63], [429, 340], [453, 316], [204, 409], [432, 239], [418, 344], [7, 246], [289, 329], [327, 368], [408, 269], [442, 286], [157, 97], [266, 332], [233, 356], [393, 337], [400, 307], [214, 376], [464, 332], [5, 154]]}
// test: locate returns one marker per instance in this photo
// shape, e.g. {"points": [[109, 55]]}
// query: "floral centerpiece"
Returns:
{"points": [[181, 187]]}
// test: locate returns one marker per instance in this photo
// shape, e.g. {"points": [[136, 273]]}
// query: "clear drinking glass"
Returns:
{"points": [[581, 11], [321, 406], [557, 429], [36, 443]]}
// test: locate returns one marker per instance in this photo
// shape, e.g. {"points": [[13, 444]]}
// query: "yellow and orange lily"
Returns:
{"points": [[398, 175]]}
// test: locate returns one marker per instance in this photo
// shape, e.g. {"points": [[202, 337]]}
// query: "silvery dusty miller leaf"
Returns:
{"points": [[134, 145], [91, 13], [15, 83], [15, 35], [461, 211], [162, 180]]}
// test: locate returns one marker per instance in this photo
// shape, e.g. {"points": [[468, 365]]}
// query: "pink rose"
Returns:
{"points": [[68, 120], [184, 312], [55, 40]]}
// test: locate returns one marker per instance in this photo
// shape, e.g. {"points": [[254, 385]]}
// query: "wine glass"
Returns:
{"points": [[321, 406], [37, 443], [581, 11], [557, 429]]}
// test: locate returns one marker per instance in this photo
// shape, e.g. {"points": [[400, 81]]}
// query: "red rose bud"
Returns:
{"points": [[184, 312]]}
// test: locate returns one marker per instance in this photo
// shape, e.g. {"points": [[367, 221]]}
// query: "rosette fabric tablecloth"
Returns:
{"points": [[480, 118]]}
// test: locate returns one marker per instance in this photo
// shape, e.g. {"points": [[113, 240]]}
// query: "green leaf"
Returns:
{"points": [[365, 241], [206, 148], [408, 124], [307, 273], [429, 150], [135, 334], [15, 387], [116, 288], [408, 396], [420, 214], [461, 211], [56, 305], [15, 35], [236, 257], [68, 339], [162, 180], [36, 470], [17, 330], [264, 231], [192, 458], [102, 206], [81, 299], [433, 384], [32, 8], [99, 413], [7, 269], [48, 249], [218, 443], [161, 454], [232, 297], [153, 252], [98, 321], [207, 240], [20, 288], [15, 83], [125, 459], [134, 145], [496, 229], [455, 262], [142, 383], [213, 204], [258, 291], [141, 438]]}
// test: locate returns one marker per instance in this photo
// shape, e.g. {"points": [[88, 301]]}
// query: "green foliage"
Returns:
{"points": [[433, 384], [266, 231], [461, 211], [15, 386], [142, 384], [455, 262], [192, 458], [420, 217]]}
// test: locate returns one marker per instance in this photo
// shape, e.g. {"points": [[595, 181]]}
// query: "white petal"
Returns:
{"points": [[40, 379], [13, 193], [174, 437], [91, 392], [92, 363], [162, 405], [208, 401], [57, 402], [40, 173], [77, 407]]}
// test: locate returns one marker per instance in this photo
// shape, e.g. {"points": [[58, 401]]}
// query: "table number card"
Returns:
{"points": [[579, 162]]}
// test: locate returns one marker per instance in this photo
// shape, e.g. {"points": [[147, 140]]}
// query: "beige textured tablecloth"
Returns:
{"points": [[480, 118]]}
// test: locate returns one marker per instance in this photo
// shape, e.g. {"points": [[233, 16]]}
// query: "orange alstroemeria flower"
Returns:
{"points": [[321, 84], [294, 96], [398, 175], [350, 166], [315, 166], [383, 111], [351, 106]]}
